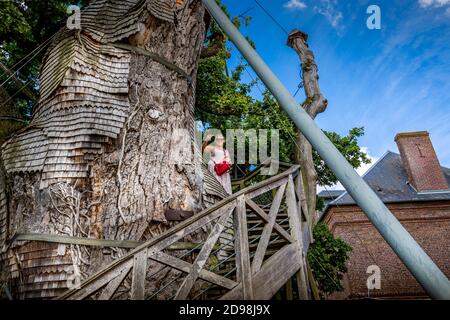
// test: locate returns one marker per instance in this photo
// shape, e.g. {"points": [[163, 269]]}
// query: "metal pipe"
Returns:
{"points": [[413, 256]]}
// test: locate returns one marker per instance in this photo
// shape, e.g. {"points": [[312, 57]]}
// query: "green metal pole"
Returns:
{"points": [[416, 260]]}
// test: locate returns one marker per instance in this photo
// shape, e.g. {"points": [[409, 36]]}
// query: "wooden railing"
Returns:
{"points": [[254, 176], [267, 248]]}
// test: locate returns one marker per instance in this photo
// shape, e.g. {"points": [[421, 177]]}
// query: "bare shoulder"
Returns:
{"points": [[209, 149]]}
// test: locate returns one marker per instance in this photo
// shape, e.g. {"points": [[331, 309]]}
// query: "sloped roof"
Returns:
{"points": [[330, 194], [389, 180]]}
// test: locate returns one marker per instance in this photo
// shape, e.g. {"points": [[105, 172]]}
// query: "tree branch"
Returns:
{"points": [[217, 41], [315, 102]]}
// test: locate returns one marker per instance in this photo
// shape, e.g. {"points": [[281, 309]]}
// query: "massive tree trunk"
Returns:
{"points": [[97, 159], [314, 104]]}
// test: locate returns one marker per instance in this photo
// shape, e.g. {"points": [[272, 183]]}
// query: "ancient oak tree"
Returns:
{"points": [[95, 161]]}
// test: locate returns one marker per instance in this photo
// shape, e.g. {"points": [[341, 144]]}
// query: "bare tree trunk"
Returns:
{"points": [[103, 182], [314, 104]]}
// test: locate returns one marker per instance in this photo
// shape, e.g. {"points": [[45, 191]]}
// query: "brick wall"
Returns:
{"points": [[428, 223]]}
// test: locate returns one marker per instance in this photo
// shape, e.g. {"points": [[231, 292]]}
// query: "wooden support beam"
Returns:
{"points": [[267, 231], [112, 287], [243, 267], [270, 186], [202, 257], [186, 267], [302, 283], [304, 212], [96, 284], [296, 233], [312, 282], [289, 291], [294, 217], [263, 215], [169, 241], [139, 272], [273, 275]]}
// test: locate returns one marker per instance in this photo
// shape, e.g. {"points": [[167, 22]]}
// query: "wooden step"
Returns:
{"points": [[279, 218], [269, 252], [273, 244]]}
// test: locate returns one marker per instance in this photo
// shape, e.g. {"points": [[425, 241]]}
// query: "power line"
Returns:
{"points": [[243, 14], [40, 47], [15, 94], [271, 16], [28, 61], [2, 118], [299, 87]]}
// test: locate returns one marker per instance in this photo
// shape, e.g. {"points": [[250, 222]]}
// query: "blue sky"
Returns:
{"points": [[391, 80]]}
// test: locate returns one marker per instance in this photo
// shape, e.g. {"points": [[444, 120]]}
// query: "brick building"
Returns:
{"points": [[415, 188]]}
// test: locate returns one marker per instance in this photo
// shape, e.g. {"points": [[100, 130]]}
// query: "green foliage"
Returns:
{"points": [[320, 204], [24, 25], [349, 147], [221, 100], [327, 257], [270, 115]]}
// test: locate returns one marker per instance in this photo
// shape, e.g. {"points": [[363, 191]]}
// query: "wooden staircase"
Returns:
{"points": [[246, 249]]}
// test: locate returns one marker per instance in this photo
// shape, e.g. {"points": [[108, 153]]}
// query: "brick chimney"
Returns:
{"points": [[420, 161]]}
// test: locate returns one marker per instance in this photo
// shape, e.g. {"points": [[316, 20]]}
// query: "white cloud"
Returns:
{"points": [[434, 3], [361, 171], [295, 5], [365, 167], [328, 8]]}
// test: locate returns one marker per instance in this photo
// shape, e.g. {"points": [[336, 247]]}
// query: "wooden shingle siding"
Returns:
{"points": [[88, 106], [44, 268], [114, 20], [25, 152], [162, 10], [55, 63]]}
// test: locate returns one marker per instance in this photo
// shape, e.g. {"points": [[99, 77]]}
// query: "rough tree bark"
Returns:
{"points": [[133, 179], [314, 104]]}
